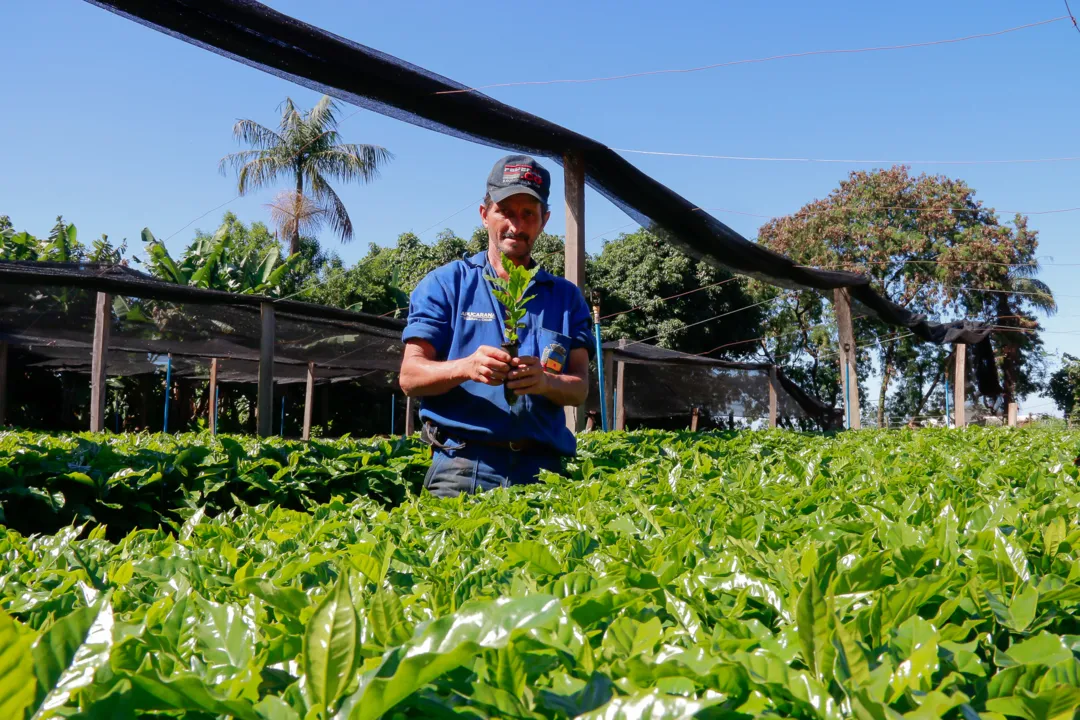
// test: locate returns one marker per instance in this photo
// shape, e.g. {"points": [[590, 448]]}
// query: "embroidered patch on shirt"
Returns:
{"points": [[553, 358], [481, 316]]}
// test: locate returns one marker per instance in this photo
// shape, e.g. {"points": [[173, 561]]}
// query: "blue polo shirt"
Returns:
{"points": [[454, 309]]}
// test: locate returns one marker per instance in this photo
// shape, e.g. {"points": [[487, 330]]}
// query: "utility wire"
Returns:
{"points": [[1071, 158], [804, 213], [669, 297], [1071, 16], [700, 322], [787, 56]]}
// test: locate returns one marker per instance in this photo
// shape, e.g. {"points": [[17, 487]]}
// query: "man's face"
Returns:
{"points": [[514, 224]]}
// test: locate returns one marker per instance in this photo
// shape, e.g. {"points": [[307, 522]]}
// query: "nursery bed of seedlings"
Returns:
{"points": [[761, 574]]}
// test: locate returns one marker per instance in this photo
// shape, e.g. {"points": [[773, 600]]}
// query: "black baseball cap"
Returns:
{"points": [[516, 174]]}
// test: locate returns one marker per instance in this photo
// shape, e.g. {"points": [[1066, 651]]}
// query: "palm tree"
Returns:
{"points": [[1021, 288], [306, 149]]}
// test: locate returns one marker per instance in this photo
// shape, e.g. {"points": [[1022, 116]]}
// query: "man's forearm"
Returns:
{"points": [[566, 390], [421, 377]]}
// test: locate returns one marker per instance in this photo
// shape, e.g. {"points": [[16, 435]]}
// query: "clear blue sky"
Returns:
{"points": [[118, 127]]}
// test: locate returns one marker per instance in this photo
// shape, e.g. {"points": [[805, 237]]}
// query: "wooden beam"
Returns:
{"points": [[620, 392], [212, 405], [693, 419], [574, 193], [609, 387], [99, 359], [774, 391], [265, 406], [574, 248], [3, 382], [959, 387], [1012, 414], [309, 400], [410, 425], [849, 377]]}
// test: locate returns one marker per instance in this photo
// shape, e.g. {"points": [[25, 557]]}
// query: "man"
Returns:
{"points": [[453, 359]]}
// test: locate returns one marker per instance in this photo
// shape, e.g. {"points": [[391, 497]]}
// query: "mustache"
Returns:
{"points": [[515, 236]]}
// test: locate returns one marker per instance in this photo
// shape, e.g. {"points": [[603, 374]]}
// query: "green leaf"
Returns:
{"points": [[331, 645], [226, 634], [852, 665], [272, 707], [67, 655], [629, 638], [184, 692], [388, 620], [287, 599], [1022, 610], [1057, 704], [17, 682], [538, 556], [812, 621], [444, 644], [1053, 535], [509, 673], [1043, 649], [653, 705]]}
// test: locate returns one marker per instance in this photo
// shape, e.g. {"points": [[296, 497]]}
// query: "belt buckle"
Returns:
{"points": [[514, 446]]}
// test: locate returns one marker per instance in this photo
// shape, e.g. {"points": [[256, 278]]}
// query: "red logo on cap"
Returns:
{"points": [[512, 173]]}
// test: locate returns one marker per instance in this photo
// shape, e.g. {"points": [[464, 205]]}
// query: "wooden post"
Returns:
{"points": [[693, 419], [3, 381], [774, 391], [574, 249], [620, 392], [959, 387], [98, 361], [849, 378], [410, 425], [265, 406], [1012, 414], [609, 387], [213, 395], [309, 400]]}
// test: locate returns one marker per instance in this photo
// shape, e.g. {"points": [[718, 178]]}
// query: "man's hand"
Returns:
{"points": [[528, 377], [487, 365]]}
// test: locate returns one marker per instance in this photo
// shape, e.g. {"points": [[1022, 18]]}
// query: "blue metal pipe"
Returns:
{"points": [[168, 384], [847, 392], [600, 366], [948, 413]]}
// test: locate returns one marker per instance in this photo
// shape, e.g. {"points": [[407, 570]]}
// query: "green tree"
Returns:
{"points": [[307, 150], [1064, 386], [635, 272], [925, 242], [212, 261]]}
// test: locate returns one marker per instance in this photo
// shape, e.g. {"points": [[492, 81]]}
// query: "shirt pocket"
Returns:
{"points": [[554, 350]]}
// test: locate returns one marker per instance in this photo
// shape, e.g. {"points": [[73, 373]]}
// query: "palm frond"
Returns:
{"points": [[291, 119], [258, 136], [238, 160], [337, 215], [324, 115], [1037, 293], [350, 162], [261, 172], [295, 213]]}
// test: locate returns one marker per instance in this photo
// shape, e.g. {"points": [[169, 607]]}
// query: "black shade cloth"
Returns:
{"points": [[712, 383], [260, 37], [49, 310]]}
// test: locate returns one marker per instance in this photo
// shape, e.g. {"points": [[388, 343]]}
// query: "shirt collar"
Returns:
{"points": [[480, 261]]}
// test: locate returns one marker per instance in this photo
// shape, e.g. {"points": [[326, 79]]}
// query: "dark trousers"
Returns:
{"points": [[477, 468]]}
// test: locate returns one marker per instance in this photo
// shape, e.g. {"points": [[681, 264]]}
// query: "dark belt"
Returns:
{"points": [[436, 437]]}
